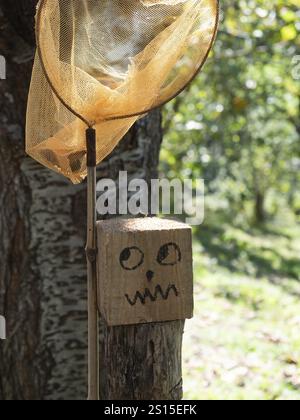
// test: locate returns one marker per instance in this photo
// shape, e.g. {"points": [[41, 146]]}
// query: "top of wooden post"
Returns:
{"points": [[141, 224]]}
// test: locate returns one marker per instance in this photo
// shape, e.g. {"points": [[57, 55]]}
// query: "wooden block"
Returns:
{"points": [[145, 270]]}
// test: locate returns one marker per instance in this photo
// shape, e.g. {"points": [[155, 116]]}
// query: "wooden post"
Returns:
{"points": [[145, 285], [142, 362]]}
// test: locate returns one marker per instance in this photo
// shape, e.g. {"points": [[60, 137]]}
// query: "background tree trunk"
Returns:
{"points": [[260, 215], [42, 239]]}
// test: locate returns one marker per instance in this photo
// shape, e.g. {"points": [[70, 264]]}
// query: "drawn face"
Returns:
{"points": [[133, 258], [145, 271]]}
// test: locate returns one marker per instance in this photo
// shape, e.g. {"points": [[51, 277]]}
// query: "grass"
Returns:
{"points": [[244, 342]]}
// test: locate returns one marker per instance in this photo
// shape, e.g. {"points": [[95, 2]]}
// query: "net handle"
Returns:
{"points": [[91, 256]]}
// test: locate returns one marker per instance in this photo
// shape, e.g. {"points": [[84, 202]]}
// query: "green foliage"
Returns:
{"points": [[243, 343], [238, 126]]}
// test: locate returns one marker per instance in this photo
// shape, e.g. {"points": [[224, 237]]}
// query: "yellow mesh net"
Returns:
{"points": [[105, 63]]}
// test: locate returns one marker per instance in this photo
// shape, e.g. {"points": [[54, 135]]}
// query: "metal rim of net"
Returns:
{"points": [[41, 5]]}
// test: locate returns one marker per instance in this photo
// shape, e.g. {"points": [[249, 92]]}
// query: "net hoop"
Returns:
{"points": [[40, 7]]}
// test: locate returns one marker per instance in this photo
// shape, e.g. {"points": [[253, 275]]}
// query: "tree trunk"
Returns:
{"points": [[260, 215], [43, 268], [142, 362]]}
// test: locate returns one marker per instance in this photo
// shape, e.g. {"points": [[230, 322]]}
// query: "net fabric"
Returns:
{"points": [[104, 64]]}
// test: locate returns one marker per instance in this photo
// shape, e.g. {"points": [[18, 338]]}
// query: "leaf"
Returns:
{"points": [[289, 33]]}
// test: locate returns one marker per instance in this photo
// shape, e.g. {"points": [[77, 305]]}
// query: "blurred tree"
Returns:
{"points": [[239, 126]]}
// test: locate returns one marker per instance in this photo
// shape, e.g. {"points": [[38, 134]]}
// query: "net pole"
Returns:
{"points": [[91, 253]]}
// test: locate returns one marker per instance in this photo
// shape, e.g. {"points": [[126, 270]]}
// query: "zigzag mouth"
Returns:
{"points": [[142, 297]]}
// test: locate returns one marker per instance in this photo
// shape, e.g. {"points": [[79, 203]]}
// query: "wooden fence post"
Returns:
{"points": [[145, 288], [141, 362]]}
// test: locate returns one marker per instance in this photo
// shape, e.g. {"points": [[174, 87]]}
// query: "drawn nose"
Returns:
{"points": [[149, 275]]}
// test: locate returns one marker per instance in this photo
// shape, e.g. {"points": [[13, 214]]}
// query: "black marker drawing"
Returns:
{"points": [[131, 258], [142, 297], [150, 274], [165, 256]]}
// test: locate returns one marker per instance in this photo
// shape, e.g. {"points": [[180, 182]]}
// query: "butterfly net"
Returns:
{"points": [[103, 64]]}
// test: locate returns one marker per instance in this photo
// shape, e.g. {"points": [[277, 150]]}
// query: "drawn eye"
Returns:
{"points": [[169, 254], [131, 258]]}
